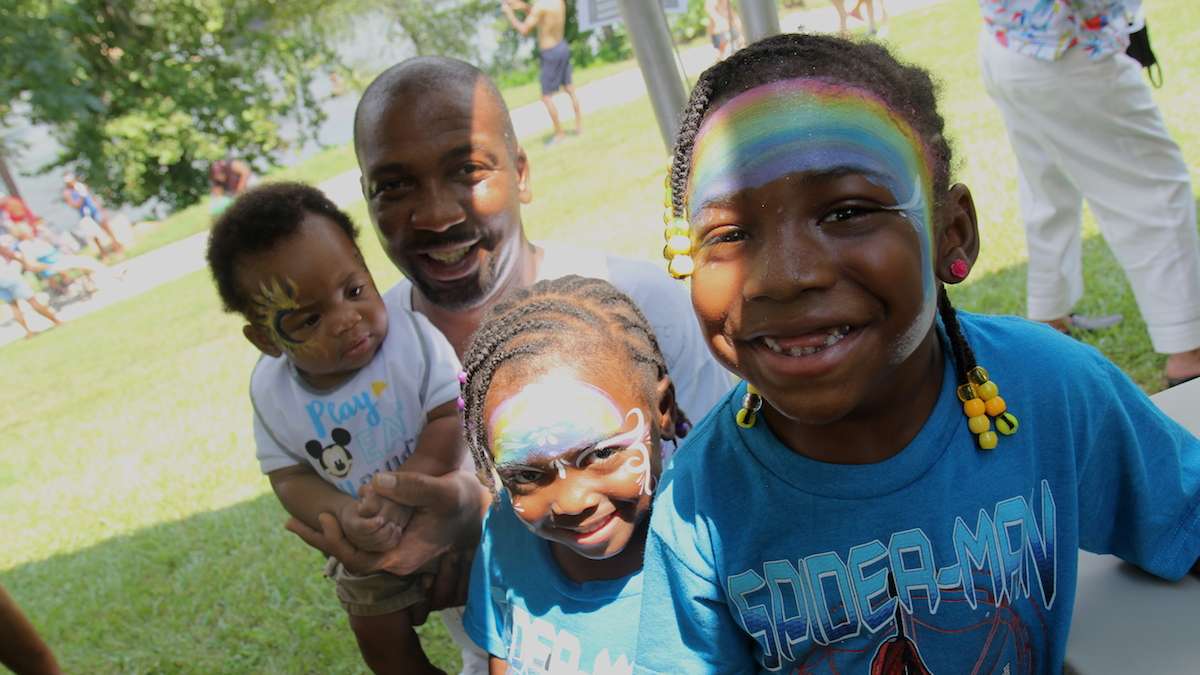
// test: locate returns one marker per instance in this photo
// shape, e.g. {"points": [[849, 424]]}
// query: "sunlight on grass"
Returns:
{"points": [[146, 539]]}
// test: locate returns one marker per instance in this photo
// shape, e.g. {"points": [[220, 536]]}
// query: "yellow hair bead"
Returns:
{"points": [[745, 418], [977, 375], [979, 424], [1006, 423], [988, 440], [982, 404], [747, 415], [681, 266], [974, 408], [995, 406], [679, 245], [677, 228]]}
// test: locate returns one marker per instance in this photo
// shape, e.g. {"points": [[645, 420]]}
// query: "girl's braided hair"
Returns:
{"points": [[906, 89], [573, 317]]}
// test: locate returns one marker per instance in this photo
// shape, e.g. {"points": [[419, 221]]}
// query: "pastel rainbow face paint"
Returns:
{"points": [[549, 417], [813, 126]]}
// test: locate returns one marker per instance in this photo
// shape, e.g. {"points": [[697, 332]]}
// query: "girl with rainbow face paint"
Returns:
{"points": [[849, 508], [816, 240]]}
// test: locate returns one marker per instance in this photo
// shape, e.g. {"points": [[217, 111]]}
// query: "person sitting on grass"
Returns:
{"points": [[346, 387], [13, 289], [56, 268], [568, 402]]}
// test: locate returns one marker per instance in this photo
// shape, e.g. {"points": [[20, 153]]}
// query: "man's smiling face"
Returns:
{"points": [[444, 183]]}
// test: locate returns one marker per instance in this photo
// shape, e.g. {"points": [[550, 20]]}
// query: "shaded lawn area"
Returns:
{"points": [[147, 541]]}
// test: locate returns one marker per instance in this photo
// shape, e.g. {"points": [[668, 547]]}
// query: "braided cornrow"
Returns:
{"points": [[961, 349], [570, 316]]}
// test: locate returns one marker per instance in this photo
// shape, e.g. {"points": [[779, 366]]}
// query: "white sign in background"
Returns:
{"points": [[592, 14]]}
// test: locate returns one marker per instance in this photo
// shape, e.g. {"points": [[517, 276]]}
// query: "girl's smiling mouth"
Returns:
{"points": [[805, 355], [807, 344], [595, 532]]}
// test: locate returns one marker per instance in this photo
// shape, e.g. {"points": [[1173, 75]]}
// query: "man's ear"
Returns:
{"points": [[666, 409], [524, 189], [258, 336], [362, 184], [957, 235]]}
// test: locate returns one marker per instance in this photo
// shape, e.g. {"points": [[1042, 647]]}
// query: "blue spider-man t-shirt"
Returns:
{"points": [[943, 558]]}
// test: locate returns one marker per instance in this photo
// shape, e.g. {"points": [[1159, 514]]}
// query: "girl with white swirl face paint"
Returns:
{"points": [[579, 452], [566, 402]]}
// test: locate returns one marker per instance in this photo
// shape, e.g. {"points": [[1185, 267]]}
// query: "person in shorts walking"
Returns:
{"points": [[549, 18]]}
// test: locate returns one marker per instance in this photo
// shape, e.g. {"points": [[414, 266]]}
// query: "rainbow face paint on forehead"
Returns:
{"points": [[813, 126], [549, 417]]}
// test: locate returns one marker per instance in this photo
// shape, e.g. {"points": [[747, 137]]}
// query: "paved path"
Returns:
{"points": [[183, 257]]}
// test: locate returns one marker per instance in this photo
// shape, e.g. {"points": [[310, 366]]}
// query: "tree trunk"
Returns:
{"points": [[10, 185]]}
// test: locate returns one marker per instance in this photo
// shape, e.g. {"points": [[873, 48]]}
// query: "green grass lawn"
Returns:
{"points": [[139, 534]]}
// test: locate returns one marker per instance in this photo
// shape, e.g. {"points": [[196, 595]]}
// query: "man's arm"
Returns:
{"points": [[496, 666], [532, 18]]}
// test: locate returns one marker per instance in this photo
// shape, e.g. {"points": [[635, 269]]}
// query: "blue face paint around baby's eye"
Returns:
{"points": [[812, 126]]}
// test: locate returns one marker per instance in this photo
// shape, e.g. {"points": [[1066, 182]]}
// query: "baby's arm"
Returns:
{"points": [[440, 446], [440, 450], [496, 666], [305, 495]]}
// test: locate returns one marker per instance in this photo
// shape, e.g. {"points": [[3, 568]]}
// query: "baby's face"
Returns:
{"points": [[578, 452], [317, 302]]}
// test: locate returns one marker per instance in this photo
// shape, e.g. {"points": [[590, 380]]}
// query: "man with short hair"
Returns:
{"points": [[445, 177], [549, 17]]}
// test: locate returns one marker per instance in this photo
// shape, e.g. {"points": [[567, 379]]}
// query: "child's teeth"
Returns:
{"points": [[834, 336]]}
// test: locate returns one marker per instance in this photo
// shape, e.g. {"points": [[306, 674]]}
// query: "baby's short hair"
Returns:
{"points": [[255, 223]]}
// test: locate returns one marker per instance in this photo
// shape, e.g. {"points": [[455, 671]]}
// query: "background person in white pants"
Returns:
{"points": [[1083, 125]]}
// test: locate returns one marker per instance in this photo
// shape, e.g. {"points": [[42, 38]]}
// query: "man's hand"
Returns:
{"points": [[447, 512]]}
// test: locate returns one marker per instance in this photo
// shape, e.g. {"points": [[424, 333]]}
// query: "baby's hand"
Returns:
{"points": [[371, 505], [370, 532]]}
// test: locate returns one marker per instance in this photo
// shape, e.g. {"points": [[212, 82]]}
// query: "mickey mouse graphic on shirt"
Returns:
{"points": [[335, 458]]}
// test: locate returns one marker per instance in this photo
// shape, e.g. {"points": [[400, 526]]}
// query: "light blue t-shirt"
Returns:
{"points": [[523, 609], [762, 560]]}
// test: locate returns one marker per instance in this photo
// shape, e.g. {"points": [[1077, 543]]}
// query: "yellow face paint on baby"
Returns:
{"points": [[274, 301]]}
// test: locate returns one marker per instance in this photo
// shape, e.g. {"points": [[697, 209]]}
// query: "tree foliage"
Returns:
{"points": [[440, 27], [144, 94]]}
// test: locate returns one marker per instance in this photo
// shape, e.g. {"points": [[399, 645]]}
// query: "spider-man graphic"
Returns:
{"points": [[898, 655], [918, 639]]}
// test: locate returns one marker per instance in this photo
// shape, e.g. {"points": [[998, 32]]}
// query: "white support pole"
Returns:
{"points": [[760, 19]]}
